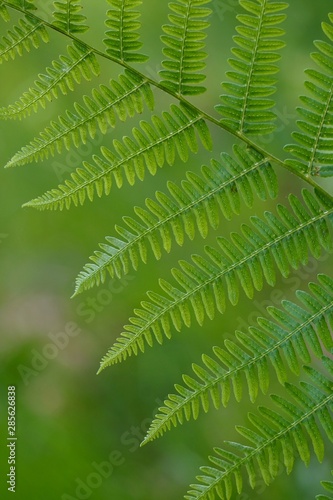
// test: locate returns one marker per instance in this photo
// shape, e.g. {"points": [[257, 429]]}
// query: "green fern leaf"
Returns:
{"points": [[328, 486], [62, 76], [151, 147], [4, 12], [68, 17], [245, 105], [275, 434], [26, 5], [287, 337], [184, 40], [243, 262], [194, 205], [28, 33], [122, 38], [313, 151], [120, 99]]}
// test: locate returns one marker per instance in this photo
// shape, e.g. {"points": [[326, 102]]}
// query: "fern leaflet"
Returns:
{"points": [[274, 435], [26, 34], [122, 99], [122, 38], [244, 262], [287, 337], [245, 107], [151, 146], [313, 152], [328, 486], [62, 76], [68, 18], [4, 12], [195, 205], [184, 40], [26, 5]]}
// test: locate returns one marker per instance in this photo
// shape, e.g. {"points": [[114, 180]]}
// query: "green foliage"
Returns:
{"points": [[184, 43], [122, 38], [315, 140], [120, 99], [195, 206], [283, 431], [284, 341], [245, 105], [67, 17], [245, 261], [266, 248], [62, 76], [28, 33], [327, 485]]}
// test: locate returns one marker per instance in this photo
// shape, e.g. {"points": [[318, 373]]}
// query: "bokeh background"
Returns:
{"points": [[68, 418]]}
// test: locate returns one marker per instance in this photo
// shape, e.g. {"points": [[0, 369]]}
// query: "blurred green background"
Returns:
{"points": [[69, 420]]}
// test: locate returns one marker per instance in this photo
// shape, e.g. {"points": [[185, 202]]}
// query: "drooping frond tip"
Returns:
{"points": [[313, 153], [283, 341], [245, 105], [184, 40], [122, 37], [195, 206], [244, 262], [279, 433]]}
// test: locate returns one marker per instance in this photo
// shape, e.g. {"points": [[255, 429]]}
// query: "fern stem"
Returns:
{"points": [[304, 176]]}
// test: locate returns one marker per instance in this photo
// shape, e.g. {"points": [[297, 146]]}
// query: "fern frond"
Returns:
{"points": [[283, 432], [28, 33], [286, 338], [68, 17], [245, 105], [184, 40], [120, 99], [151, 146], [314, 148], [122, 38], [328, 486], [244, 262], [193, 206], [80, 63]]}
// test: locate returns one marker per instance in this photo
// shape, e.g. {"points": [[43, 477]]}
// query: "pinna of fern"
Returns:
{"points": [[245, 106], [67, 16], [284, 341], [120, 99], [27, 33], [277, 436], [184, 41], [313, 151], [328, 486], [244, 262], [195, 206], [122, 38], [173, 134], [79, 63]]}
